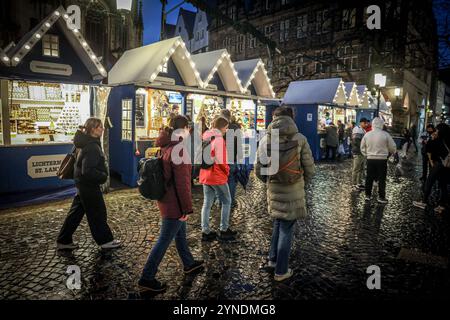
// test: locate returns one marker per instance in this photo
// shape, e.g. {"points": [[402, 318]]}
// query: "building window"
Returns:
{"points": [[50, 45], [268, 29], [232, 13], [284, 2], [126, 119], [323, 22], [284, 30], [302, 26], [203, 34], [200, 17], [267, 6], [197, 36], [240, 43], [252, 41], [348, 18], [300, 67]]}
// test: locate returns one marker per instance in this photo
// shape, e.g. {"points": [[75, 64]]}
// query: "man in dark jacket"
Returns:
{"points": [[332, 140], [89, 173]]}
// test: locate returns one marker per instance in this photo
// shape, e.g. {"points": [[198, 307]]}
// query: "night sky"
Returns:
{"points": [[152, 17]]}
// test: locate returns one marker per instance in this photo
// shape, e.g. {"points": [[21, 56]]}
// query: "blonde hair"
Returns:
{"points": [[91, 124]]}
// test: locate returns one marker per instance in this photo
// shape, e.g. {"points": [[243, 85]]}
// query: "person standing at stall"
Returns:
{"points": [[377, 145], [286, 188], [89, 174], [215, 182], [175, 207], [424, 139], [332, 141]]}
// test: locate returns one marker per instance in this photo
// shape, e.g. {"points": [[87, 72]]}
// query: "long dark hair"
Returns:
{"points": [[177, 122]]}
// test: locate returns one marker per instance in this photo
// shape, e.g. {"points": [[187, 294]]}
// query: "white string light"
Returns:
{"points": [[16, 59], [57, 13], [47, 25], [38, 35], [5, 58], [27, 47]]}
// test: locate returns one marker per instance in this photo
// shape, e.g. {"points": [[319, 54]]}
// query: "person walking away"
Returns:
{"points": [[215, 183], [286, 188], [377, 145], [332, 140], [348, 138], [424, 139], [175, 207], [89, 174], [438, 149], [358, 158], [233, 159]]}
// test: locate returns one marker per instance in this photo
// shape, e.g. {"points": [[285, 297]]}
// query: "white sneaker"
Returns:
{"points": [[382, 201], [111, 245], [70, 246], [368, 198], [285, 276], [419, 204]]}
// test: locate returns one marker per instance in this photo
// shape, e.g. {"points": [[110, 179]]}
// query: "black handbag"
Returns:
{"points": [[66, 169]]}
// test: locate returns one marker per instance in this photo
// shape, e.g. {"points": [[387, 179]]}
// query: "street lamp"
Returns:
{"points": [[380, 82], [397, 92]]}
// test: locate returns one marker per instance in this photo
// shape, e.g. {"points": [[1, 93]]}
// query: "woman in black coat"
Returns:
{"points": [[89, 173]]}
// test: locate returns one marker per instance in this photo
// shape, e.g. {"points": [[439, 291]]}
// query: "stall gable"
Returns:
{"points": [[363, 96], [144, 64], [351, 93], [216, 80], [253, 71], [210, 63], [322, 91], [70, 66], [34, 38]]}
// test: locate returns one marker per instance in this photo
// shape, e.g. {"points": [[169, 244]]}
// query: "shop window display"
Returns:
{"points": [[45, 112], [244, 111], [208, 107]]}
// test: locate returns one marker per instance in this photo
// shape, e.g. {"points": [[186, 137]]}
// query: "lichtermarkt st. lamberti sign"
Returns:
{"points": [[44, 166]]}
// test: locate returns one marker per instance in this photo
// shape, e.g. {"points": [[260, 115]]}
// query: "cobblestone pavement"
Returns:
{"points": [[333, 248]]}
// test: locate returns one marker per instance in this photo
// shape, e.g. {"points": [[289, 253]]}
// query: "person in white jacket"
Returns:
{"points": [[377, 145]]}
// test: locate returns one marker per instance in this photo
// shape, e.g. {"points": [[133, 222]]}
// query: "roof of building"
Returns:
{"points": [[81, 47], [143, 64], [189, 20], [326, 91], [208, 63]]}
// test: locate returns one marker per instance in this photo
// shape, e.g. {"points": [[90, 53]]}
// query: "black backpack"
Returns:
{"points": [[206, 145], [151, 182]]}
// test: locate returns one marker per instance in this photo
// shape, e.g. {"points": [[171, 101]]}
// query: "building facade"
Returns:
{"points": [[108, 30], [325, 39]]}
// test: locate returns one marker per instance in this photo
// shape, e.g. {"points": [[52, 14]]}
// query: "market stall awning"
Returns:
{"points": [[143, 64], [325, 91], [363, 94], [253, 71], [352, 94], [81, 47], [208, 63]]}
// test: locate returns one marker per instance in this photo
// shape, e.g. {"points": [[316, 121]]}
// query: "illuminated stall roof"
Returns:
{"points": [[351, 93], [143, 64], [16, 53], [364, 99], [374, 101], [208, 63], [253, 71], [322, 91]]}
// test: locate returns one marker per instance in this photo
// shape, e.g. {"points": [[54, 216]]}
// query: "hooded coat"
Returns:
{"points": [[176, 202], [287, 201], [377, 144], [332, 137], [90, 168]]}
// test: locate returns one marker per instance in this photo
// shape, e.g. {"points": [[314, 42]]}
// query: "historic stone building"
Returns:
{"points": [[109, 31], [324, 39]]}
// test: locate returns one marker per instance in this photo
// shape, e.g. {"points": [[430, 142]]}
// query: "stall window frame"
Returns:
{"points": [[129, 119], [48, 41]]}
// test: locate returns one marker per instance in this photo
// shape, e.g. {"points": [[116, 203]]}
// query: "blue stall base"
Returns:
{"points": [[14, 200]]}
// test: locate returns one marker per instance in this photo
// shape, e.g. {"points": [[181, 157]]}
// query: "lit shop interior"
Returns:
{"points": [[153, 109], [199, 106], [41, 113], [331, 114]]}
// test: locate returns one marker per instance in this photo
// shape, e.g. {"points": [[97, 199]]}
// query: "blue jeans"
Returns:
{"points": [[232, 181], [170, 229], [209, 195], [280, 247]]}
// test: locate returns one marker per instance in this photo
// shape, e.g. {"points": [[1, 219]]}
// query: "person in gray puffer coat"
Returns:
{"points": [[286, 202]]}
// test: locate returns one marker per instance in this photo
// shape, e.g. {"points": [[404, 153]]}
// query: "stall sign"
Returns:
{"points": [[164, 80], [175, 97], [189, 106], [309, 117], [44, 166], [212, 87], [50, 68]]}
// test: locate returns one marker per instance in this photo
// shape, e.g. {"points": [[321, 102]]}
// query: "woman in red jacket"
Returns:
{"points": [[215, 182], [175, 206]]}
